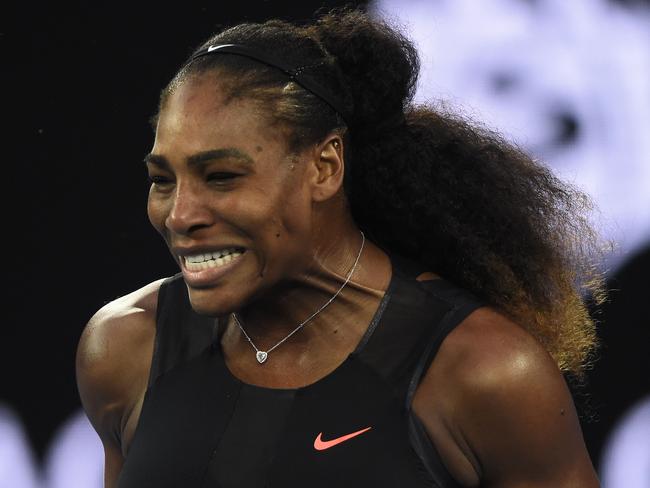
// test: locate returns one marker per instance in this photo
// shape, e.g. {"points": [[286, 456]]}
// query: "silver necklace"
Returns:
{"points": [[261, 356]]}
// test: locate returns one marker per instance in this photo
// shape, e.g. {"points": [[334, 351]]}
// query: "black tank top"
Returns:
{"points": [[202, 427]]}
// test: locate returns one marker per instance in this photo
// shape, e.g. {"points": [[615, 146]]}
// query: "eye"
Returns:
{"points": [[158, 180], [222, 176]]}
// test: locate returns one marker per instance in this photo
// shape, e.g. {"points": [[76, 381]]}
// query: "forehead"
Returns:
{"points": [[199, 113]]}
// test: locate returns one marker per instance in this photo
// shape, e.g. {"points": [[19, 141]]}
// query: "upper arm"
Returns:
{"points": [[113, 462], [507, 406], [112, 367]]}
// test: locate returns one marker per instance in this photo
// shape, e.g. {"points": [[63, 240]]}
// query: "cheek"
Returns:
{"points": [[287, 213], [289, 233], [297, 206], [278, 222], [157, 213]]}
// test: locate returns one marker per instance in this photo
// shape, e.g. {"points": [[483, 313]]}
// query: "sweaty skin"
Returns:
{"points": [[493, 401]]}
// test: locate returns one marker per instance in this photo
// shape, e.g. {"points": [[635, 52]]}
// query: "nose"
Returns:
{"points": [[189, 210]]}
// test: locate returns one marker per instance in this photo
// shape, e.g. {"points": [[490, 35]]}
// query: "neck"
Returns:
{"points": [[271, 318]]}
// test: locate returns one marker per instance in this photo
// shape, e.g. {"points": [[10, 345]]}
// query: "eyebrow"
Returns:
{"points": [[202, 157]]}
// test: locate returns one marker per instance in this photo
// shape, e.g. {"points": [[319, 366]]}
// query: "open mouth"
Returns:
{"points": [[216, 259]]}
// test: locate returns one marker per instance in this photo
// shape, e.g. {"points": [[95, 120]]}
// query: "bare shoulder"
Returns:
{"points": [[501, 406], [489, 351], [113, 359]]}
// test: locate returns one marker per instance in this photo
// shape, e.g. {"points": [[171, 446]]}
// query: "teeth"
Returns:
{"points": [[215, 259]]}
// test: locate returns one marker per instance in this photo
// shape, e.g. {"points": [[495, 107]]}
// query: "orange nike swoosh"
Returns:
{"points": [[321, 445]]}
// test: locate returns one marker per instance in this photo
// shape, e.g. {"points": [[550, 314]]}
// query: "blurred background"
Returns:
{"points": [[568, 81]]}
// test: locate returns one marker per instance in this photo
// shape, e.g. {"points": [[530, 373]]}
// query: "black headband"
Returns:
{"points": [[295, 74]]}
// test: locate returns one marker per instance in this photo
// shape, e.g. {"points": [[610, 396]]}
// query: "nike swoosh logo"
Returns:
{"points": [[217, 46], [321, 445]]}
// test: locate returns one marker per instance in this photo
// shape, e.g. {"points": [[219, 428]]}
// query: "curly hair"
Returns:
{"points": [[426, 183]]}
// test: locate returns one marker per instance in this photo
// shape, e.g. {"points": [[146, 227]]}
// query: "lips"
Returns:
{"points": [[205, 267], [216, 259]]}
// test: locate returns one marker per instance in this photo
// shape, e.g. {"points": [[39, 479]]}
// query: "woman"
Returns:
{"points": [[371, 293]]}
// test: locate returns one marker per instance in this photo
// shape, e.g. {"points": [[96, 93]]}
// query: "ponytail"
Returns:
{"points": [[461, 200]]}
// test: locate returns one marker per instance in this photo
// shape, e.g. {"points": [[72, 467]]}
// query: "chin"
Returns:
{"points": [[208, 302]]}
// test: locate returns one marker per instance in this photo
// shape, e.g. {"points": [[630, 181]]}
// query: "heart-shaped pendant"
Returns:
{"points": [[261, 356]]}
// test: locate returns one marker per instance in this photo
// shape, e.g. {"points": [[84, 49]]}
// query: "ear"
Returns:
{"points": [[328, 168]]}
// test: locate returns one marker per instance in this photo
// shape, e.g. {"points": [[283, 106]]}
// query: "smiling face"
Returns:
{"points": [[224, 184]]}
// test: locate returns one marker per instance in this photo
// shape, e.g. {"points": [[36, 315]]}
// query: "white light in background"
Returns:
{"points": [[626, 459], [75, 457], [569, 81], [17, 461]]}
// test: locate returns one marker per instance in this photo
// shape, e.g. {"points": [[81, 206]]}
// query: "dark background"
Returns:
{"points": [[83, 82]]}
